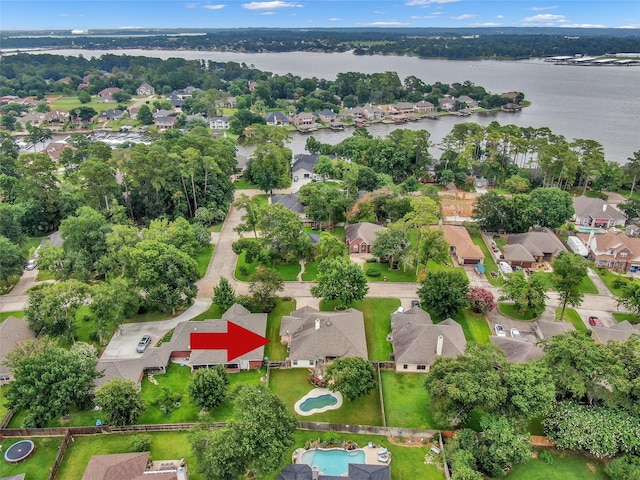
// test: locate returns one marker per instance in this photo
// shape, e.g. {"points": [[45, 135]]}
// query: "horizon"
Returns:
{"points": [[42, 15]]}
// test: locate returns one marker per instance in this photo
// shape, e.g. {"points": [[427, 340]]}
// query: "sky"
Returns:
{"points": [[96, 14]]}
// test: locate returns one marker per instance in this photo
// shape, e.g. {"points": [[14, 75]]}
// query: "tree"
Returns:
{"points": [[481, 300], [12, 259], [120, 402], [630, 297], [342, 280], [432, 246], [208, 387], [489, 211], [501, 446], [353, 377], [264, 285], [625, 467], [84, 240], [390, 245], [632, 170], [552, 206], [330, 247], [526, 293], [530, 389], [256, 438], [50, 380], [112, 302], [270, 167], [444, 293], [253, 208], [37, 135], [145, 117], [223, 295], [84, 97], [517, 184], [283, 235], [569, 269]]}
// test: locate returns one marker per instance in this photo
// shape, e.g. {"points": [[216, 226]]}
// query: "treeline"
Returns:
{"points": [[427, 43]]}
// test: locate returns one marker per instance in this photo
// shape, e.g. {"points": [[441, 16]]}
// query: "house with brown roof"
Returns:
{"points": [[470, 102], [595, 212], [461, 247], [546, 329], [304, 119], [418, 342], [55, 149], [106, 94], [620, 332], [543, 245], [361, 236], [313, 337], [517, 254], [133, 466], [56, 116], [447, 103], [165, 122], [613, 249], [145, 89], [424, 106], [34, 119], [13, 331], [517, 350]]}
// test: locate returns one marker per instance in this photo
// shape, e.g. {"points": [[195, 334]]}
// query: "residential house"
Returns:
{"points": [[9, 98], [110, 115], [518, 255], [164, 113], [231, 102], [302, 167], [252, 85], [277, 119], [326, 116], [470, 102], [518, 350], [56, 117], [55, 149], [361, 236], [461, 247], [513, 96], [595, 212], [106, 94], [302, 471], [447, 103], [620, 332], [304, 119], [632, 230], [403, 108], [219, 123], [145, 90], [13, 331], [313, 337], [175, 99], [133, 112], [417, 342], [613, 249], [424, 107], [133, 466], [290, 200], [543, 245], [165, 122], [547, 330], [34, 119]]}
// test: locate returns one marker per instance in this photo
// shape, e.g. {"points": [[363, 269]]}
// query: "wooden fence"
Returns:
{"points": [[5, 421], [61, 451]]}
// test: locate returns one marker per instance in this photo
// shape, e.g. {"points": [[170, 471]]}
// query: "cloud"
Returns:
{"points": [[378, 12], [268, 13], [421, 3], [191, 5], [219, 6], [582, 25], [391, 23], [270, 5], [540, 9], [487, 24], [466, 16], [545, 17], [335, 19], [418, 17], [499, 16]]}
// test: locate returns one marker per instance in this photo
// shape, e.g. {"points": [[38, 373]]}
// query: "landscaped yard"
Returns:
{"points": [[37, 465], [509, 310], [275, 350], [5, 315], [565, 466], [387, 275], [310, 272], [377, 323], [203, 257], [164, 446], [621, 317], [243, 184], [406, 401], [573, 317], [613, 281], [69, 103], [475, 327], [292, 384], [586, 285], [244, 271]]}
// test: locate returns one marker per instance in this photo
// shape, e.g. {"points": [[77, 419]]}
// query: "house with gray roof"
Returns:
{"points": [[595, 212], [620, 332], [302, 166], [277, 119], [550, 329], [219, 123], [360, 236], [290, 200], [313, 337], [418, 342], [517, 254], [543, 245], [13, 331], [518, 350], [357, 471]]}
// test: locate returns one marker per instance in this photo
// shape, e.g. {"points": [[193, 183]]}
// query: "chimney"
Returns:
{"points": [[439, 345], [314, 473], [317, 324], [604, 207]]}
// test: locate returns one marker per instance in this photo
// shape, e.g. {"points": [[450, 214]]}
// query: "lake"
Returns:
{"points": [[599, 103]]}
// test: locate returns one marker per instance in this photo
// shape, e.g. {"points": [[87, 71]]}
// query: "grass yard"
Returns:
{"points": [[164, 446], [406, 402], [475, 327], [377, 323], [336, 232], [292, 384], [217, 227], [211, 314], [565, 466], [509, 310], [489, 262], [613, 281], [289, 272], [29, 244], [621, 317], [397, 275], [243, 184], [310, 272], [5, 315], [37, 465], [69, 103], [586, 285], [203, 257], [275, 350], [573, 317]]}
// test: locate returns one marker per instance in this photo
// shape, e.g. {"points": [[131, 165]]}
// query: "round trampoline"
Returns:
{"points": [[19, 451]]}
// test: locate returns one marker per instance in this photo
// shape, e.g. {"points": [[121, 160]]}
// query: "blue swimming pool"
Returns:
{"points": [[332, 462], [316, 403], [590, 229]]}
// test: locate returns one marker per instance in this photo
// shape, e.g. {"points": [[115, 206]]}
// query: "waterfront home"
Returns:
{"points": [[277, 119], [597, 213]]}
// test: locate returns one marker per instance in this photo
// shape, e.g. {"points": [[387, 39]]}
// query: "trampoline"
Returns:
{"points": [[19, 451]]}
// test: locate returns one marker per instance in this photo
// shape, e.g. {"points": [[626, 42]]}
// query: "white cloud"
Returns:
{"points": [[378, 12], [391, 23], [418, 17], [267, 13], [629, 26], [420, 3], [582, 25], [499, 16], [487, 24], [540, 9], [545, 17], [214, 7], [335, 19], [270, 5], [466, 16], [191, 5]]}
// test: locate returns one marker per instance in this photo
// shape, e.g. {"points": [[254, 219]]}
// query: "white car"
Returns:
{"points": [[500, 331], [505, 267], [515, 333], [31, 264]]}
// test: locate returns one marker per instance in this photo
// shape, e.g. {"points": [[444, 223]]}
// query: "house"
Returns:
{"points": [[34, 119], [106, 94], [518, 255], [403, 108], [289, 200], [175, 99], [304, 119], [13, 331], [417, 342], [357, 471], [613, 249], [164, 113], [514, 97], [110, 115], [302, 166], [447, 103], [326, 116], [133, 466], [619, 332], [313, 337], [56, 116], [470, 102], [145, 90], [133, 112], [595, 212], [55, 149], [277, 119], [632, 230], [424, 107], [461, 247], [517, 350], [360, 236], [543, 245], [165, 122], [551, 329], [219, 123], [231, 102]]}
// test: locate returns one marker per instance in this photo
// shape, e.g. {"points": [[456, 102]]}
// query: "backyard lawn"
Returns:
{"points": [[292, 384], [69, 103], [509, 310], [406, 401], [475, 327], [164, 446], [37, 465], [377, 323], [571, 316], [243, 184], [275, 350], [565, 466]]}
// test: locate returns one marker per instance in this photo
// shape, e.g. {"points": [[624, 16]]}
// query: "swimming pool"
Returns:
{"points": [[318, 400], [316, 403], [332, 462], [590, 229]]}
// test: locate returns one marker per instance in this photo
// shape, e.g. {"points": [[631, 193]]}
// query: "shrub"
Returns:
{"points": [[373, 272], [546, 457], [141, 443]]}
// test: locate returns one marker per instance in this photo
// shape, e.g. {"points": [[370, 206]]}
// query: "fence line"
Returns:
{"points": [[384, 417], [7, 418], [60, 455]]}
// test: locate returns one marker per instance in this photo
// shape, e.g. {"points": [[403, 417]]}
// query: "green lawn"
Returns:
{"points": [[211, 314], [571, 316], [475, 327], [217, 227], [288, 272], [310, 272], [37, 465], [164, 446], [377, 323], [203, 257], [489, 262], [566, 466], [5, 315], [336, 232], [275, 350], [586, 285], [397, 275], [29, 244], [621, 317], [509, 310], [292, 384], [612, 280], [243, 184], [69, 103], [406, 401]]}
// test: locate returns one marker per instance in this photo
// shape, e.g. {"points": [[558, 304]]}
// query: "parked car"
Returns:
{"points": [[143, 344], [31, 264], [595, 322], [500, 331], [515, 333], [415, 303], [400, 310]]}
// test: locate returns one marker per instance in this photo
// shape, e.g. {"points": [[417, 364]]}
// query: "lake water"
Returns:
{"points": [[598, 103]]}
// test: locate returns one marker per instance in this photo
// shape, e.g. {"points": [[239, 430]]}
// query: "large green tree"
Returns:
{"points": [[112, 301], [526, 293], [270, 167], [12, 259], [552, 206], [264, 285], [283, 235], [340, 279], [208, 387], [223, 295], [569, 269], [630, 297], [444, 292], [353, 377], [330, 247], [120, 402], [253, 208], [391, 245]]}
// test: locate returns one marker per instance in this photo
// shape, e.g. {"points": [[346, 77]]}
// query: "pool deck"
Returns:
{"points": [[317, 392], [370, 454]]}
